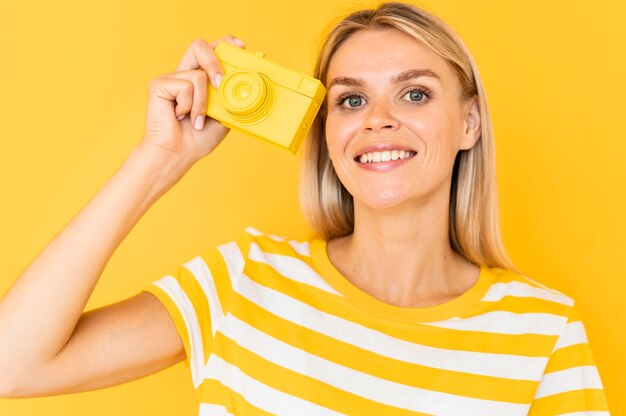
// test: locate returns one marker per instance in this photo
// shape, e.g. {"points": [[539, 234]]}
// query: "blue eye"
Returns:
{"points": [[354, 101], [416, 95]]}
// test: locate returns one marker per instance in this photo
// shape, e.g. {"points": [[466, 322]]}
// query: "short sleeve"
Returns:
{"points": [[197, 296], [571, 383]]}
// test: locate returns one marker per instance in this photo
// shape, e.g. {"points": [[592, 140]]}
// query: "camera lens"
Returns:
{"points": [[246, 95]]}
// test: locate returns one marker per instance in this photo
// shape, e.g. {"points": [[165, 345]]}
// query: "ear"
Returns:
{"points": [[471, 126]]}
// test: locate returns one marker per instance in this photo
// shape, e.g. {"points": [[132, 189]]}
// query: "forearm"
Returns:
{"points": [[40, 311]]}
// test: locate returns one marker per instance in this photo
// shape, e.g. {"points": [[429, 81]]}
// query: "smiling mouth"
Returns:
{"points": [[384, 156]]}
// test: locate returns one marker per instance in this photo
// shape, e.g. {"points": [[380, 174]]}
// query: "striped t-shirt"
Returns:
{"points": [[271, 327]]}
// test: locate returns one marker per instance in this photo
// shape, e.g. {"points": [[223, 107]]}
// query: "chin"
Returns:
{"points": [[388, 198]]}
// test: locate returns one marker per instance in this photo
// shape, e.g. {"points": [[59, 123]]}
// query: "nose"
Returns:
{"points": [[380, 117]]}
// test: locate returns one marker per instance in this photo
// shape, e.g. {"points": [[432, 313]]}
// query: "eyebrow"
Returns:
{"points": [[401, 77]]}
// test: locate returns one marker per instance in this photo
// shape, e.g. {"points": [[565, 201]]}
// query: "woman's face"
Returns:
{"points": [[390, 97]]}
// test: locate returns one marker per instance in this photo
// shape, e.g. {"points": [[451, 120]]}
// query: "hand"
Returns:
{"points": [[176, 120]]}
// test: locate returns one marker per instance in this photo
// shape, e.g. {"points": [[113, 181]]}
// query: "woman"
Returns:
{"points": [[406, 304]]}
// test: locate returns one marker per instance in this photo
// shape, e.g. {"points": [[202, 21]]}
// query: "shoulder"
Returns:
{"points": [[508, 283], [240, 244], [280, 262], [528, 299], [259, 245], [232, 254]]}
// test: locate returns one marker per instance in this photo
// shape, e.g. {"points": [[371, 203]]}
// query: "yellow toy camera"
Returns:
{"points": [[264, 99]]}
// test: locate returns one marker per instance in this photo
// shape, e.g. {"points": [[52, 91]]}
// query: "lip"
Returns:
{"points": [[383, 166], [381, 147]]}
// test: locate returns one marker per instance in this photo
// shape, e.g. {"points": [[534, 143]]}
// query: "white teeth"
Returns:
{"points": [[385, 156]]}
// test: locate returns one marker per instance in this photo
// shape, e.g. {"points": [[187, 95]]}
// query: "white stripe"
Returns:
{"points": [[370, 387], [585, 414], [233, 259], [544, 286], [575, 378], [574, 333], [505, 322], [255, 232], [488, 364], [522, 290], [302, 248], [291, 268], [173, 289], [259, 394], [201, 272], [207, 409]]}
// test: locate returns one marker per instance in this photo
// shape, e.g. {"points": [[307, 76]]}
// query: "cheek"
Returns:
{"points": [[431, 128], [338, 133], [338, 136], [426, 119]]}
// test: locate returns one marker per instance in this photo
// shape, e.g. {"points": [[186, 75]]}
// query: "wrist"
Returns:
{"points": [[160, 168]]}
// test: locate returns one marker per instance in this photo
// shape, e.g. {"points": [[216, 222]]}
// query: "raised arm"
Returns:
{"points": [[47, 344]]}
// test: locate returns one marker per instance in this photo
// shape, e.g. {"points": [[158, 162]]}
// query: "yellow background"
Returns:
{"points": [[74, 79]]}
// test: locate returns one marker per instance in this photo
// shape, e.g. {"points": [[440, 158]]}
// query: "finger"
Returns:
{"points": [[229, 39], [201, 55], [169, 96], [199, 105]]}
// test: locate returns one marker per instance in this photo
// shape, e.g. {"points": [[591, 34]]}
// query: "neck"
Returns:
{"points": [[403, 255]]}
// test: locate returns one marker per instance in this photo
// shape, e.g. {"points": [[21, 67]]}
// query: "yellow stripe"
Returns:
{"points": [[179, 321], [507, 276], [298, 385], [367, 362], [530, 305], [571, 356], [574, 315], [569, 402], [282, 248], [217, 266], [214, 392], [529, 345], [200, 303], [243, 242]]}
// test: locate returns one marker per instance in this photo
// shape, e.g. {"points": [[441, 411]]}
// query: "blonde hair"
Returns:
{"points": [[328, 207]]}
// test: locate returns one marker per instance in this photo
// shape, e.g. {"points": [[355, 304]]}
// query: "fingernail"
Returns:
{"points": [[217, 79], [239, 42], [199, 122], [180, 117]]}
